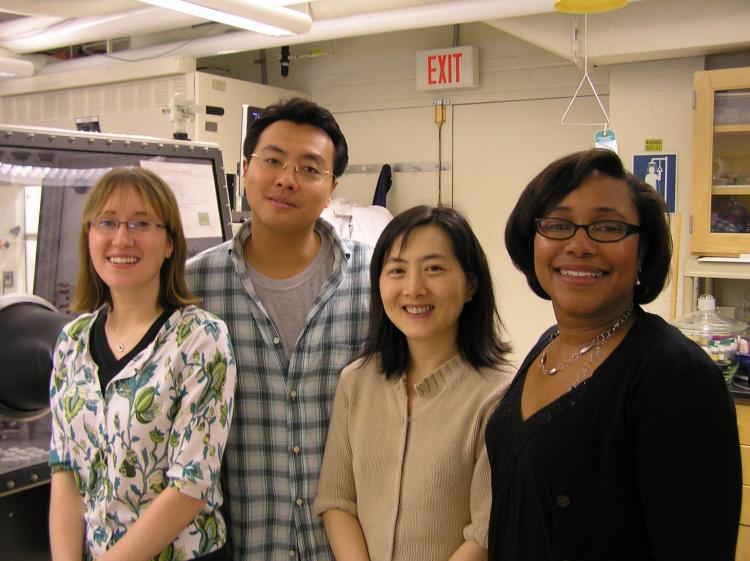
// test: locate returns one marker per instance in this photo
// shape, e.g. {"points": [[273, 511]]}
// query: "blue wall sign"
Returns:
{"points": [[659, 171]]}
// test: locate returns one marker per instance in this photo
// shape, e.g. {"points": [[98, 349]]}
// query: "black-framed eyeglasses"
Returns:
{"points": [[605, 231], [137, 226], [307, 173]]}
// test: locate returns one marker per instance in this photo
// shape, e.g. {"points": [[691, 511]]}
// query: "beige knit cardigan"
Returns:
{"points": [[419, 485]]}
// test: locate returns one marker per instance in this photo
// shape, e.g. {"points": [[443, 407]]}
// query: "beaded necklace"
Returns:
{"points": [[594, 345]]}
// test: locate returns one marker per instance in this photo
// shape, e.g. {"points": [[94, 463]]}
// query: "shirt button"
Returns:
{"points": [[295, 449], [299, 502], [293, 394], [276, 340], [562, 501]]}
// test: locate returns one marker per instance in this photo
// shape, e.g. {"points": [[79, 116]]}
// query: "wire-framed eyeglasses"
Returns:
{"points": [[605, 231], [137, 226], [307, 173]]}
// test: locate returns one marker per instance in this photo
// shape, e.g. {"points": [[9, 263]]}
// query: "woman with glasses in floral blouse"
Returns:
{"points": [[141, 392]]}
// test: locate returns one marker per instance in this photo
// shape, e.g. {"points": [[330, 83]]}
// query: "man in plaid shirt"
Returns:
{"points": [[296, 300]]}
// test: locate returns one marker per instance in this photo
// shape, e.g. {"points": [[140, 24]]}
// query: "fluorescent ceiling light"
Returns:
{"points": [[252, 15]]}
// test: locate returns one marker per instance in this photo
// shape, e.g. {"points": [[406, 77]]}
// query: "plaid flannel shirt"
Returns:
{"points": [[282, 407]]}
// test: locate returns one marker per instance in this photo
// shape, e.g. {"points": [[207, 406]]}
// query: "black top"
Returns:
{"points": [[640, 462], [109, 365]]}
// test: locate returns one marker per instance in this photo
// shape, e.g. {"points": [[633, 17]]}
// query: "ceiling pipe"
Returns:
{"points": [[415, 17], [12, 67], [20, 27], [66, 8], [98, 28]]}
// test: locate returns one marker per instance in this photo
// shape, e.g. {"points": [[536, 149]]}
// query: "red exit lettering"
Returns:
{"points": [[444, 69]]}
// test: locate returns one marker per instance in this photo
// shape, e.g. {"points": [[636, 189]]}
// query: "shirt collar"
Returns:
{"points": [[340, 251], [448, 374]]}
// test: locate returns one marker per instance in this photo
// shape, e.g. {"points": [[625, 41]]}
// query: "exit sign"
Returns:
{"points": [[440, 69]]}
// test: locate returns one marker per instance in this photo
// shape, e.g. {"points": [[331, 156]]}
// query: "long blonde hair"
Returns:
{"points": [[91, 292]]}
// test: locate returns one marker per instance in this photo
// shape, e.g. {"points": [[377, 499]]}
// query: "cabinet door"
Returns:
{"points": [[721, 163], [743, 426]]}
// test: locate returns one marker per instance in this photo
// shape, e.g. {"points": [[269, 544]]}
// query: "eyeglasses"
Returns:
{"points": [[600, 231], [307, 173], [111, 225]]}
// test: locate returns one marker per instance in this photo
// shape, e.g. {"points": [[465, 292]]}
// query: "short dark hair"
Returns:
{"points": [[565, 175], [302, 112], [91, 292], [479, 324]]}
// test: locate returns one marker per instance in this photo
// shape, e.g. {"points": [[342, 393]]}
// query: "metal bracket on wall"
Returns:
{"points": [[399, 167]]}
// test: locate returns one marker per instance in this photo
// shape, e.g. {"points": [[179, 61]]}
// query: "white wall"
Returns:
{"points": [[496, 136], [406, 135], [498, 148], [378, 71], [369, 83]]}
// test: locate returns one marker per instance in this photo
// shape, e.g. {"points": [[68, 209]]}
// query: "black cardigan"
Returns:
{"points": [[641, 462]]}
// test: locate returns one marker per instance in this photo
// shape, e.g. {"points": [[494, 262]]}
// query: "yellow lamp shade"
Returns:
{"points": [[588, 6]]}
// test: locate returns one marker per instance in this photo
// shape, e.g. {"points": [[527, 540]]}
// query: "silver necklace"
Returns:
{"points": [[595, 344], [119, 341]]}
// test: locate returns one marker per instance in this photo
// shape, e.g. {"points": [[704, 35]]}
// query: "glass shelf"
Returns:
{"points": [[730, 167]]}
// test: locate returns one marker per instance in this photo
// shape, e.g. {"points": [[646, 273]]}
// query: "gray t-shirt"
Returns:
{"points": [[288, 301]]}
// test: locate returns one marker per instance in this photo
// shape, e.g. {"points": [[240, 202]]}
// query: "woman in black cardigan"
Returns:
{"points": [[618, 438]]}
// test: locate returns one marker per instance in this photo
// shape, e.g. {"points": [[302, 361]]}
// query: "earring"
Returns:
{"points": [[638, 278]]}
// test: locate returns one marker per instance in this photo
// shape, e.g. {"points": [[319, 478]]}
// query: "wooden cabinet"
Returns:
{"points": [[743, 423], [720, 218]]}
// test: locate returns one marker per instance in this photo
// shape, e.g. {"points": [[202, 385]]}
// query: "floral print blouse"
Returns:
{"points": [[162, 422]]}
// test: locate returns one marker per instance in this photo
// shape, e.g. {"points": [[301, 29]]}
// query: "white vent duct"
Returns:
{"points": [[11, 67], [66, 8], [94, 28], [416, 17], [21, 27]]}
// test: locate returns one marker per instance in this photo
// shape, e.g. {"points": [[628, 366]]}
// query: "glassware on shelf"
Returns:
{"points": [[729, 213], [718, 335]]}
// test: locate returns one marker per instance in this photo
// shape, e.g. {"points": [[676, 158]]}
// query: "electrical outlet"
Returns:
{"points": [[8, 279]]}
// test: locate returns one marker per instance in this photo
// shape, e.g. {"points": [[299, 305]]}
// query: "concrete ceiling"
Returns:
{"points": [[643, 30]]}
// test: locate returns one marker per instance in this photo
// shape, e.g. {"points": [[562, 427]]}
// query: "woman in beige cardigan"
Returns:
{"points": [[405, 475]]}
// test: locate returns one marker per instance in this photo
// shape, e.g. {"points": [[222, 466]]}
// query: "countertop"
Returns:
{"points": [[740, 394]]}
